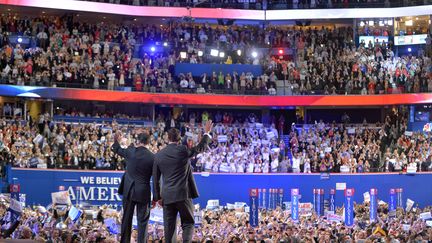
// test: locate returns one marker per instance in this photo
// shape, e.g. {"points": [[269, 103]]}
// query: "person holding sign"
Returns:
{"points": [[135, 184], [178, 183]]}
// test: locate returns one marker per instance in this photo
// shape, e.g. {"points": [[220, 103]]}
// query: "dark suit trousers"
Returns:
{"points": [[143, 216], [185, 208]]}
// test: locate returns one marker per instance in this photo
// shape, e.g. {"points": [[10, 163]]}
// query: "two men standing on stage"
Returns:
{"points": [[178, 184]]}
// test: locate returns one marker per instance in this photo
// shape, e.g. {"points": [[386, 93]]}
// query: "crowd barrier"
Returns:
{"points": [[77, 119], [100, 187]]}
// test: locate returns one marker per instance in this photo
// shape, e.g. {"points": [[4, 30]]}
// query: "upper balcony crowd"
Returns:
{"points": [[269, 4], [67, 52]]}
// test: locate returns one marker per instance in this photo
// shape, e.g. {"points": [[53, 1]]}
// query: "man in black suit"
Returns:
{"points": [[178, 183], [135, 185]]}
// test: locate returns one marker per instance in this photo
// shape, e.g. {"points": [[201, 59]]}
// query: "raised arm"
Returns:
{"points": [[116, 148], [204, 140]]}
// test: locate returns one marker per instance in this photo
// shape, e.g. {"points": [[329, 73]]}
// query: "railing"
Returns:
{"points": [[280, 90], [271, 5], [123, 121]]}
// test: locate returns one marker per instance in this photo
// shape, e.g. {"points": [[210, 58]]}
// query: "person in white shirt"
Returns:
{"points": [[250, 168], [240, 168], [96, 48], [275, 163], [306, 166], [258, 168], [296, 163], [265, 166], [272, 90], [184, 83], [233, 168]]}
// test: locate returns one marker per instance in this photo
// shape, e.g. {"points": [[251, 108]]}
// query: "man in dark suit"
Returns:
{"points": [[178, 183], [135, 185]]}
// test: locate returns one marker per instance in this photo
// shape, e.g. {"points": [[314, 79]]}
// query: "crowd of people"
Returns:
{"points": [[240, 144], [264, 4], [223, 225], [321, 60]]}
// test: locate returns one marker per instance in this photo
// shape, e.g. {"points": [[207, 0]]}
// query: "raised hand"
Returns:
{"points": [[118, 136], [208, 126]]}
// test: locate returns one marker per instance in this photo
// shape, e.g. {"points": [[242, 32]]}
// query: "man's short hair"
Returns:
{"points": [[144, 138], [173, 135]]}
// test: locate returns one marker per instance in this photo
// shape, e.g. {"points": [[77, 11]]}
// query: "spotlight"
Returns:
{"points": [[183, 55], [239, 52], [362, 24], [281, 51], [254, 54], [165, 44], [19, 40], [153, 49], [409, 49], [221, 54], [200, 53], [214, 52]]}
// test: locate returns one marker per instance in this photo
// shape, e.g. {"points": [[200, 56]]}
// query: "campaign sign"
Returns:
{"points": [[198, 218], [314, 191], [260, 203], [332, 200], [320, 202], [399, 201], [392, 201], [280, 203], [253, 214], [295, 204], [349, 207], [275, 197], [15, 196], [272, 198], [264, 195], [74, 213], [373, 204], [112, 226], [270, 205], [156, 216]]}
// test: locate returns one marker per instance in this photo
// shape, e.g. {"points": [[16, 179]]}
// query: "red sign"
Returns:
{"points": [[253, 192], [349, 192], [14, 188]]}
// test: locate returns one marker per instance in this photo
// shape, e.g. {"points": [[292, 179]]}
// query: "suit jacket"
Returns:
{"points": [[178, 183], [135, 182]]}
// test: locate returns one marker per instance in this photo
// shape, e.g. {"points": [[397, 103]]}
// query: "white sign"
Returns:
{"points": [[156, 215], [409, 204], [212, 204], [426, 215], [366, 197], [198, 218], [222, 138], [408, 133], [340, 186], [61, 198], [410, 40], [15, 205], [74, 213], [351, 130]]}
